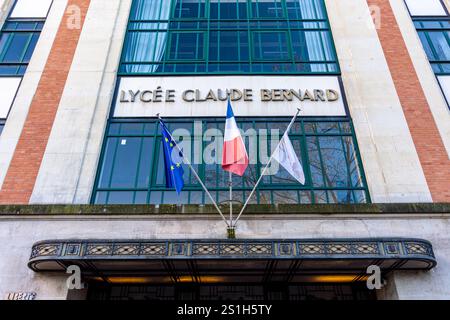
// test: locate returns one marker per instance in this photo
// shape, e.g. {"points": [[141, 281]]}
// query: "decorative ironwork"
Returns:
{"points": [[374, 249], [258, 249], [339, 248], [312, 248], [99, 249], [417, 248], [45, 250], [232, 249], [205, 249], [153, 249], [366, 248], [126, 249]]}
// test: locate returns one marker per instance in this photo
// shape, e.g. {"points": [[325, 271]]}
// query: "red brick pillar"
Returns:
{"points": [[23, 170], [429, 145]]}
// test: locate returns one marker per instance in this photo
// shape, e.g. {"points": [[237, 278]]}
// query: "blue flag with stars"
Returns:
{"points": [[172, 162]]}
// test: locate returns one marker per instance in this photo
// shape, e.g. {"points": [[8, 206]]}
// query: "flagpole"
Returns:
{"points": [[186, 160], [231, 198], [231, 233], [264, 171]]}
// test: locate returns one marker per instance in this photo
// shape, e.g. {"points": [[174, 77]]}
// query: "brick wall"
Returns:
{"points": [[430, 148]]}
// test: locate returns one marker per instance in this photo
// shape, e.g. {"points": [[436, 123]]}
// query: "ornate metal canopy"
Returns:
{"points": [[232, 260]]}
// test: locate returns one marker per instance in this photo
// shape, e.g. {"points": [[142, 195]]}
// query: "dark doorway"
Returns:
{"points": [[229, 292]]}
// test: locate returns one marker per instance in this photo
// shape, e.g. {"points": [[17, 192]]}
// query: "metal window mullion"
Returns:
{"points": [[321, 46], [306, 164], [112, 168], [152, 167], [289, 32], [27, 45], [155, 166], [138, 166], [431, 44], [349, 179], [7, 44], [322, 165]]}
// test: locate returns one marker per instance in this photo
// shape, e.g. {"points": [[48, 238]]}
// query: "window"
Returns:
{"points": [[18, 39], [435, 37], [17, 42], [2, 125], [434, 33], [132, 168], [426, 8], [228, 37]]}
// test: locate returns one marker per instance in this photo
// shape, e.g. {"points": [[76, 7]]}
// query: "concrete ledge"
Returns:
{"points": [[152, 210]]}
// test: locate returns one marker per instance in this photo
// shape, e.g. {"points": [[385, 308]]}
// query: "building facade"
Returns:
{"points": [[82, 174]]}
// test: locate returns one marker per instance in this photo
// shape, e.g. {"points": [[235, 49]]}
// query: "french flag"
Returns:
{"points": [[234, 157]]}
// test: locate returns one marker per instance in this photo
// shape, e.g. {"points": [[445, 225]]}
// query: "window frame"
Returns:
{"points": [[206, 66], [169, 46], [153, 186], [445, 30], [288, 46], [21, 65], [426, 31]]}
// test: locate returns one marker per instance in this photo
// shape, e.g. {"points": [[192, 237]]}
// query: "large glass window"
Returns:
{"points": [[228, 37], [132, 164], [17, 42], [18, 39], [435, 37]]}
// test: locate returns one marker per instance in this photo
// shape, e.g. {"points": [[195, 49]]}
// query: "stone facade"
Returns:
{"points": [[52, 140]]}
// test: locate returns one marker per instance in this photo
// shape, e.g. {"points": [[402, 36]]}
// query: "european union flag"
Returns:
{"points": [[172, 161]]}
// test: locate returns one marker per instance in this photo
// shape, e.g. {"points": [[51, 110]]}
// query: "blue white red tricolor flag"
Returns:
{"points": [[235, 157]]}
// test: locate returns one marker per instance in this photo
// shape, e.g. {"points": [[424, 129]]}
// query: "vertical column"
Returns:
{"points": [[23, 170], [430, 148]]}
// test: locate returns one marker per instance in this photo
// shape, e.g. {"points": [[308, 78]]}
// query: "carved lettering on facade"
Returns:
{"points": [[196, 95]]}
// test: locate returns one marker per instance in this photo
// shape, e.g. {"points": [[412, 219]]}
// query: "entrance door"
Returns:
{"points": [[228, 292]]}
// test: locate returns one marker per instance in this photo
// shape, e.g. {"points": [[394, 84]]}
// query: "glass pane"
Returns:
{"points": [[140, 197], [440, 45], [108, 160], [11, 70], [146, 163], [15, 48], [190, 8], [315, 163], [4, 40], [267, 9], [31, 47], [305, 9], [333, 156], [228, 46], [340, 196], [125, 168], [145, 46], [26, 26], [285, 196], [351, 159], [121, 197], [186, 46], [150, 10], [426, 45], [100, 197], [228, 9], [270, 46]]}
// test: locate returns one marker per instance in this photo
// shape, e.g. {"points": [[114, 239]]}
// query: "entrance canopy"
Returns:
{"points": [[231, 261]]}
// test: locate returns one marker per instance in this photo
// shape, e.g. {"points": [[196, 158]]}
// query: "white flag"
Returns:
{"points": [[285, 155]]}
